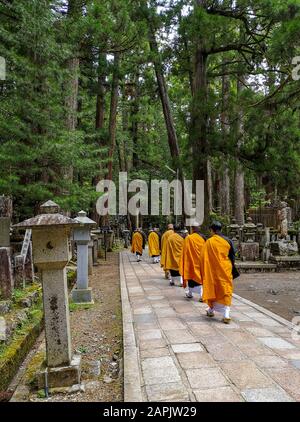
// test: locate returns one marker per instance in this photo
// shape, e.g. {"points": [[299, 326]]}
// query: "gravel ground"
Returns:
{"points": [[97, 335], [277, 292]]}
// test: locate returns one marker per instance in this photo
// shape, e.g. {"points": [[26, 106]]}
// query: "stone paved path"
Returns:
{"points": [[173, 352]]}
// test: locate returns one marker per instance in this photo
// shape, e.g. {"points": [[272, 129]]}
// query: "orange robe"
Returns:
{"points": [[173, 252], [164, 241], [137, 243], [216, 271], [153, 243], [190, 259]]}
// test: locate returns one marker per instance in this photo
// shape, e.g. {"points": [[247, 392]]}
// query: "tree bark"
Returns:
{"points": [[100, 104], [239, 185], [72, 83], [163, 93], [134, 123], [224, 174], [113, 114], [209, 186], [165, 101], [199, 121]]}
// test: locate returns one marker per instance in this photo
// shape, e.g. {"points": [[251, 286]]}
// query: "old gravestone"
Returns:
{"points": [[5, 221], [6, 275], [50, 242]]}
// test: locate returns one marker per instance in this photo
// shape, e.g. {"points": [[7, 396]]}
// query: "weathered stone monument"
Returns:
{"points": [[90, 256], [249, 248], [6, 274], [82, 237], [5, 221], [266, 248], [126, 235], [94, 238], [51, 253], [234, 233], [283, 214]]}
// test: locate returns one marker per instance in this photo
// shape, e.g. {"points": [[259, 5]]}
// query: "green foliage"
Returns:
{"points": [[255, 41]]}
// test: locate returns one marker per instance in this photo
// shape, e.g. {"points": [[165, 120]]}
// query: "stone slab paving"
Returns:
{"points": [[173, 352]]}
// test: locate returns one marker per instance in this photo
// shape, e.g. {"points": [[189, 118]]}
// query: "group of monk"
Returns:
{"points": [[200, 265]]}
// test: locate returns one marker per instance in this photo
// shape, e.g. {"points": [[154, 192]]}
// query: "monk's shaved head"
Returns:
{"points": [[216, 226], [170, 226]]}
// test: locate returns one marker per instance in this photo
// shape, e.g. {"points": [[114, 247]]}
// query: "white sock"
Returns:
{"points": [[227, 312], [196, 289], [178, 280]]}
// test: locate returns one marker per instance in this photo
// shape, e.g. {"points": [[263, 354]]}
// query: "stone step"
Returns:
{"points": [[257, 266]]}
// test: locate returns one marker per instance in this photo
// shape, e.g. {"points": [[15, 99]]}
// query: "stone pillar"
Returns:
{"points": [[50, 241], [126, 234], [5, 232], [29, 271], [249, 248], [20, 280], [110, 241], [6, 276], [5, 221], [90, 257], [95, 249], [266, 249], [82, 293]]}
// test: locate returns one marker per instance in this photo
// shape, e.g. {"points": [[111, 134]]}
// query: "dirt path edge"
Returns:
{"points": [[132, 376], [265, 311]]}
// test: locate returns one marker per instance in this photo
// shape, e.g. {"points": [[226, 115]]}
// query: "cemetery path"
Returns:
{"points": [[97, 335], [173, 352], [278, 292]]}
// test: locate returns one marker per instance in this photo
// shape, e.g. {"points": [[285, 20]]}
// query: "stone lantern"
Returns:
{"points": [[234, 233], [249, 231], [81, 235], [249, 248], [51, 253]]}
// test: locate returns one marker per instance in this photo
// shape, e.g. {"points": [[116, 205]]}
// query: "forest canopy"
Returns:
{"points": [[95, 87]]}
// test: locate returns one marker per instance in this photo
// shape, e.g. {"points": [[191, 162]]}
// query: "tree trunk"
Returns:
{"points": [[224, 174], [100, 104], [239, 185], [72, 84], [225, 192], [113, 114], [99, 124], [134, 123], [209, 186], [239, 195], [163, 93], [71, 100], [198, 131], [165, 101]]}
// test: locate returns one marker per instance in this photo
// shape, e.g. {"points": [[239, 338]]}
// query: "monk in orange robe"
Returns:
{"points": [[190, 261], [164, 240], [138, 244], [217, 260], [154, 245], [174, 248]]}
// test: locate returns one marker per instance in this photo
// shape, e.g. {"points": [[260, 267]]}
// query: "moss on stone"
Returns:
{"points": [[13, 354], [36, 363], [73, 307]]}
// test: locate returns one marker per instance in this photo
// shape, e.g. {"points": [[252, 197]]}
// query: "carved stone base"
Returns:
{"points": [[64, 376], [82, 296]]}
